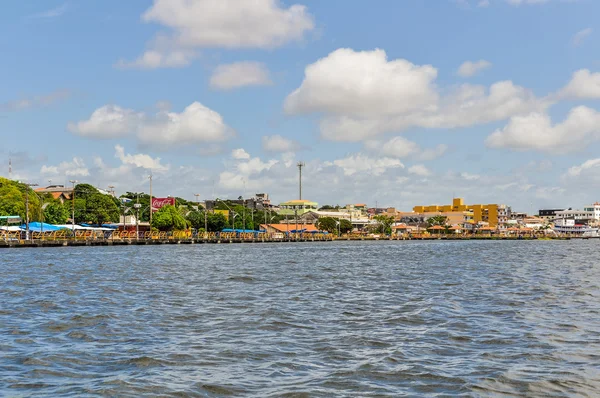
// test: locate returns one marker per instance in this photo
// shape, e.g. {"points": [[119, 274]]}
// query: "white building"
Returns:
{"points": [[595, 209], [575, 214]]}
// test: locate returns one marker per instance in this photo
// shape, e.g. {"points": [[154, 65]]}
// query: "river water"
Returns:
{"points": [[498, 318]]}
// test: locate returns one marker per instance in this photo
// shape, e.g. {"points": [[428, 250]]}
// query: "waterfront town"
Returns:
{"points": [[28, 211]]}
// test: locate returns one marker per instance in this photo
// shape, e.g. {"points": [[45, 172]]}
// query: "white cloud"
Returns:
{"points": [[52, 13], [277, 143], [163, 130], [585, 167], [467, 105], [470, 177], [74, 168], [362, 95], [516, 3], [152, 59], [359, 162], [519, 2], [419, 170], [541, 166], [583, 85], [400, 147], [140, 160], [196, 124], [240, 74], [397, 147], [433, 153], [580, 36], [536, 132], [363, 83], [240, 154], [353, 179], [254, 166], [230, 24], [109, 121], [35, 101], [469, 68]]}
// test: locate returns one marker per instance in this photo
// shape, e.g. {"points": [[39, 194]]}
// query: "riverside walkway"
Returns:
{"points": [[117, 238], [96, 238]]}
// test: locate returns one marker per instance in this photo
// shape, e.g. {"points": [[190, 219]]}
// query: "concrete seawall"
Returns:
{"points": [[150, 242]]}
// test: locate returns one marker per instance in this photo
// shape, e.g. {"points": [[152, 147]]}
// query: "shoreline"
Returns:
{"points": [[157, 242]]}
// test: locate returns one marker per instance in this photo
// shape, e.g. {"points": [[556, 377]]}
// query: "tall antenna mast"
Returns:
{"points": [[300, 166], [9, 168]]}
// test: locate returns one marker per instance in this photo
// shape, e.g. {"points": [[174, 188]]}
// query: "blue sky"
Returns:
{"points": [[395, 102]]}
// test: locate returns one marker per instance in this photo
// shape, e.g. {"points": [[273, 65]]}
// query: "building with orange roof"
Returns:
{"points": [[285, 228], [59, 192]]}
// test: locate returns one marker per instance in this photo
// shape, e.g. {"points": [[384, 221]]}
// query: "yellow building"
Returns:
{"points": [[493, 214]]}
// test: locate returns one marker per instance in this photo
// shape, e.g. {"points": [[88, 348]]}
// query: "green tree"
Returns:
{"points": [[437, 220], [216, 222], [168, 218], [327, 207], [195, 219], [13, 198], [328, 224], [55, 212], [384, 224], [346, 226], [94, 207]]}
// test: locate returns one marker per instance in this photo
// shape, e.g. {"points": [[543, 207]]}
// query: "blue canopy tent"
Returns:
{"points": [[37, 227]]}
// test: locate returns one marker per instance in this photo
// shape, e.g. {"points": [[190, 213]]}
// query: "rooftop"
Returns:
{"points": [[290, 227], [298, 201]]}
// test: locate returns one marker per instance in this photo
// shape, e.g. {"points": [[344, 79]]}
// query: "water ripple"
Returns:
{"points": [[302, 320]]}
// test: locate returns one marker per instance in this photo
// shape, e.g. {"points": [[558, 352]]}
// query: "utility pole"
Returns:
{"points": [[137, 217], [111, 189], [244, 207], [197, 195], [73, 205], [150, 178], [27, 187], [300, 166]]}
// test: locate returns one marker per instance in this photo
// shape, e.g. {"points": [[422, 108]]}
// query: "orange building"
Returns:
{"points": [[493, 214]]}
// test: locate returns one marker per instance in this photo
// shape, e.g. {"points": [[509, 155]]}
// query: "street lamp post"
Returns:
{"points": [[73, 205], [197, 195], [41, 211], [244, 215], [27, 187], [137, 217], [234, 214]]}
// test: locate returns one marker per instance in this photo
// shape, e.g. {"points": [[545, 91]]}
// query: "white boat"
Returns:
{"points": [[567, 226]]}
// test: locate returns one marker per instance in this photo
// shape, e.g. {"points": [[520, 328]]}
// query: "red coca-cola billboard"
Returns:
{"points": [[157, 203]]}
